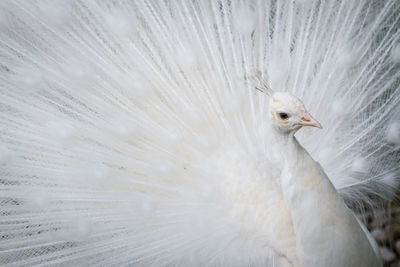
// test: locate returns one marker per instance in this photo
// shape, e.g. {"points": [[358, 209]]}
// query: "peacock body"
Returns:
{"points": [[132, 135]]}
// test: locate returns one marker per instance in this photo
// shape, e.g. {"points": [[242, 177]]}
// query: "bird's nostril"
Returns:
{"points": [[306, 117]]}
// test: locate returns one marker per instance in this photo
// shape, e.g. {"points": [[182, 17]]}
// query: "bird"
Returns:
{"points": [[312, 199], [167, 133]]}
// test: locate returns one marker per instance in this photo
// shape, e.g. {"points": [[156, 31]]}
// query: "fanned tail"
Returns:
{"points": [[131, 134]]}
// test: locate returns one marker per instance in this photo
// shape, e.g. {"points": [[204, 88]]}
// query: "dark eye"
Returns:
{"points": [[283, 115]]}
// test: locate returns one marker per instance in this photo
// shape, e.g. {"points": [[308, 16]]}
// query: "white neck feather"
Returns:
{"points": [[320, 218]]}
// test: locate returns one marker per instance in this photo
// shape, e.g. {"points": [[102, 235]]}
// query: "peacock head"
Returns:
{"points": [[287, 111]]}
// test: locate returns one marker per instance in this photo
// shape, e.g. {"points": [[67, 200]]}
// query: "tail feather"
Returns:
{"points": [[131, 134]]}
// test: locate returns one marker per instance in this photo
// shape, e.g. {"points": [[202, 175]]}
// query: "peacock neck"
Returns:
{"points": [[298, 165], [291, 149], [315, 207]]}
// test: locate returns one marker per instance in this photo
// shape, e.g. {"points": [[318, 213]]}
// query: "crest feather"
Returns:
{"points": [[260, 84]]}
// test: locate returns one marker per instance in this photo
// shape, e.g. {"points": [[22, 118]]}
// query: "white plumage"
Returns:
{"points": [[319, 220], [131, 134]]}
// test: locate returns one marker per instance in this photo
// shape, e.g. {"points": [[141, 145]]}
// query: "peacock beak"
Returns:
{"points": [[308, 120]]}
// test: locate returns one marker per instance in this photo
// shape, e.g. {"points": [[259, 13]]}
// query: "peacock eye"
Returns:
{"points": [[284, 116]]}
